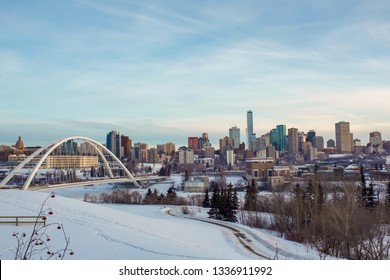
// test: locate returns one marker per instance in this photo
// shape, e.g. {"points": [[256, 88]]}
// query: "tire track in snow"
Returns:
{"points": [[240, 235], [108, 238]]}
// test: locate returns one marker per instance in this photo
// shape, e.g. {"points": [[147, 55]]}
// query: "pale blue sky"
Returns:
{"points": [[161, 71]]}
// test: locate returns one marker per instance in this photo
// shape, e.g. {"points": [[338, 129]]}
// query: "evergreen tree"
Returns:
{"points": [[162, 171], [298, 208], [148, 196], [251, 197], [320, 198], [215, 202], [171, 196], [364, 189], [308, 202], [230, 205], [224, 204], [370, 201], [387, 198], [206, 200]]}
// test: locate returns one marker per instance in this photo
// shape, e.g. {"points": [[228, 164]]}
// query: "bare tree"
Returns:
{"points": [[37, 243]]}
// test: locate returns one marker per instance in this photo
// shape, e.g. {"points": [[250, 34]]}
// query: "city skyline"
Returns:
{"points": [[161, 72]]}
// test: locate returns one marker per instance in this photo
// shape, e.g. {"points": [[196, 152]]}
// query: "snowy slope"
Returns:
{"points": [[137, 231]]}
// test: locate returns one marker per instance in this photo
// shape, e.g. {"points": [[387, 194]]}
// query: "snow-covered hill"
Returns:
{"points": [[140, 232]]}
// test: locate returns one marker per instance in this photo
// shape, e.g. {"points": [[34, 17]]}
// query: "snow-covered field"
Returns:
{"points": [[142, 232]]}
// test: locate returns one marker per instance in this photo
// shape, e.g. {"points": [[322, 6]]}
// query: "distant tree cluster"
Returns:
{"points": [[337, 221], [170, 198]]}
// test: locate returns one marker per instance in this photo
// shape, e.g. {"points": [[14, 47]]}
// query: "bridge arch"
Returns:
{"points": [[48, 149]]}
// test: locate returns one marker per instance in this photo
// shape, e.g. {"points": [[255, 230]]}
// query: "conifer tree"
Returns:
{"points": [[206, 200], [251, 197], [370, 201], [215, 202], [387, 198], [230, 205]]}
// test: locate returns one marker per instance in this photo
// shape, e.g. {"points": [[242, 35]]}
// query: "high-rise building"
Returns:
{"points": [[169, 148], [234, 133], [70, 147], [278, 137], [264, 141], [343, 137], [376, 141], [113, 143], [251, 136], [225, 144], [293, 147], [204, 140], [152, 156], [274, 138], [186, 155], [319, 142], [331, 143], [301, 140], [209, 152], [282, 137], [230, 157], [310, 136], [126, 144], [141, 151], [193, 143]]}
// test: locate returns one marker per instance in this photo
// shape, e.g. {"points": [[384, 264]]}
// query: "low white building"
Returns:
{"points": [[197, 184]]}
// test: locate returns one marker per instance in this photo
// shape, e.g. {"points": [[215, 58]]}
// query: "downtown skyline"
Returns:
{"points": [[162, 72]]}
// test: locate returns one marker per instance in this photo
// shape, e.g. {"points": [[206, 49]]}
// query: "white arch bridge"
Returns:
{"points": [[110, 169]]}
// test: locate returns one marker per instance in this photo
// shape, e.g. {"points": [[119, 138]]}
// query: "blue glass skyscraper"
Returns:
{"points": [[113, 143]]}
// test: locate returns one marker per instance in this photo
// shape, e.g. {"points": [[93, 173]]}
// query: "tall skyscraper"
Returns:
{"points": [[234, 133], [319, 142], [278, 138], [343, 137], [204, 140], [310, 136], [186, 155], [193, 143], [251, 136], [225, 144], [293, 147], [301, 140], [376, 141], [126, 144], [113, 143], [274, 138], [169, 148], [281, 128]]}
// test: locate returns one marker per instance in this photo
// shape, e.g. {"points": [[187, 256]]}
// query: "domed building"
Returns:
{"points": [[19, 144]]}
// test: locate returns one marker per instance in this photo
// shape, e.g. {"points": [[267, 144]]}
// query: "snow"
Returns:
{"points": [[139, 232]]}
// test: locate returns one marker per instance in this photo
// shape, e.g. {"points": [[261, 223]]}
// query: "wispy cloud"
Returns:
{"points": [[176, 69]]}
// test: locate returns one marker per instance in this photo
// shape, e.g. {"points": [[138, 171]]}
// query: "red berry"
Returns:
{"points": [[71, 253], [51, 213], [48, 252], [59, 227]]}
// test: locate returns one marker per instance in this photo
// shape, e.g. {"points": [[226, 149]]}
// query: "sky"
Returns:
{"points": [[161, 71]]}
